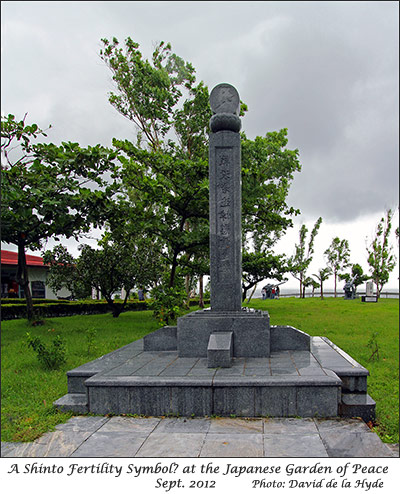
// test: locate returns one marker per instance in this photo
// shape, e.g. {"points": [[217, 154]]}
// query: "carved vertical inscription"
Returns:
{"points": [[223, 216]]}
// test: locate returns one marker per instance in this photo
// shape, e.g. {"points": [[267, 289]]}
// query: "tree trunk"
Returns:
{"points": [[252, 293], [201, 292], [335, 283], [322, 291], [115, 309], [118, 308], [23, 280], [173, 270], [187, 289], [378, 292]]}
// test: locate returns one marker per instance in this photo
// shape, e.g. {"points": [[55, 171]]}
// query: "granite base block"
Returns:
{"points": [[161, 340], [234, 401], [289, 338], [153, 400], [251, 332]]}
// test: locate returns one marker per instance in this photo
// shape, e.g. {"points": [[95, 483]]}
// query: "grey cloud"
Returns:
{"points": [[328, 71]]}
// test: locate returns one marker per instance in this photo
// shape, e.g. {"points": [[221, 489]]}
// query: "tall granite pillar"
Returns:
{"points": [[226, 331], [225, 200]]}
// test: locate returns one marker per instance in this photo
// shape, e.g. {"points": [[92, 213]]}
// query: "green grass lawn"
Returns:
{"points": [[28, 391]]}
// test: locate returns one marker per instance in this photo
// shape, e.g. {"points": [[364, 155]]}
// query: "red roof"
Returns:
{"points": [[8, 257]]}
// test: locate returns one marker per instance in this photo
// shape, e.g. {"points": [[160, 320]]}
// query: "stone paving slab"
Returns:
{"points": [[353, 444], [223, 445], [294, 446], [180, 424], [131, 424], [108, 437], [115, 444], [342, 425], [236, 426], [287, 426], [83, 424], [172, 445]]}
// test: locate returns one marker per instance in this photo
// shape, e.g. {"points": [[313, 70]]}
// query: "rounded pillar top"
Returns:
{"points": [[225, 105], [224, 98]]}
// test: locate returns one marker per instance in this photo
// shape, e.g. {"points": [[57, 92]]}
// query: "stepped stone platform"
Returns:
{"points": [[310, 377]]}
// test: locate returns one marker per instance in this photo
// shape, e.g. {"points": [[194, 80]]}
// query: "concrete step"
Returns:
{"points": [[353, 375], [357, 405], [73, 402], [223, 393]]}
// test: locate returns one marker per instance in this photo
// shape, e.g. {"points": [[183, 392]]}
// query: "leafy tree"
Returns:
{"points": [[356, 275], [322, 275], [195, 268], [112, 267], [164, 175], [337, 256], [48, 190], [268, 169], [380, 253], [301, 260], [309, 282], [258, 266], [63, 273]]}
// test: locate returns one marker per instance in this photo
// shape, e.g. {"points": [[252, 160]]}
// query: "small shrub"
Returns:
{"points": [[50, 357], [373, 345], [167, 304]]}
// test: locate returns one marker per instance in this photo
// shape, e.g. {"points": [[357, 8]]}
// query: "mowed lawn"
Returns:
{"points": [[28, 391]]}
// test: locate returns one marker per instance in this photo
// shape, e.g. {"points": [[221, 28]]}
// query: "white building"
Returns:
{"points": [[37, 274]]}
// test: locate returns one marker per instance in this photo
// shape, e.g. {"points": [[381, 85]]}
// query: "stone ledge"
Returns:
{"points": [[185, 381], [73, 402], [345, 355], [163, 339], [289, 338]]}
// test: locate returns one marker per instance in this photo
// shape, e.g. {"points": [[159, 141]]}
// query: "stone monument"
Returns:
{"points": [[225, 329], [226, 359], [369, 293]]}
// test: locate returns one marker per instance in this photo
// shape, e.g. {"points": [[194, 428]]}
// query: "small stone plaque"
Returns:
{"points": [[225, 99], [369, 288]]}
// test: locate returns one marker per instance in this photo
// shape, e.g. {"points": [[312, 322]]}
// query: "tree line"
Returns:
{"points": [[380, 258], [150, 195]]}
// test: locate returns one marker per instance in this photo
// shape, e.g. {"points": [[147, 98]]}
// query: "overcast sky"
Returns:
{"points": [[327, 71]]}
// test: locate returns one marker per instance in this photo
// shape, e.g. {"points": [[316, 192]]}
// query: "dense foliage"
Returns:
{"points": [[48, 191]]}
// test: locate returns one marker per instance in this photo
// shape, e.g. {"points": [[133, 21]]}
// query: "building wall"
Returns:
{"points": [[38, 274]]}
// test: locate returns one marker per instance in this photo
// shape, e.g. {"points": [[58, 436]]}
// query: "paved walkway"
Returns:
{"points": [[95, 437]]}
